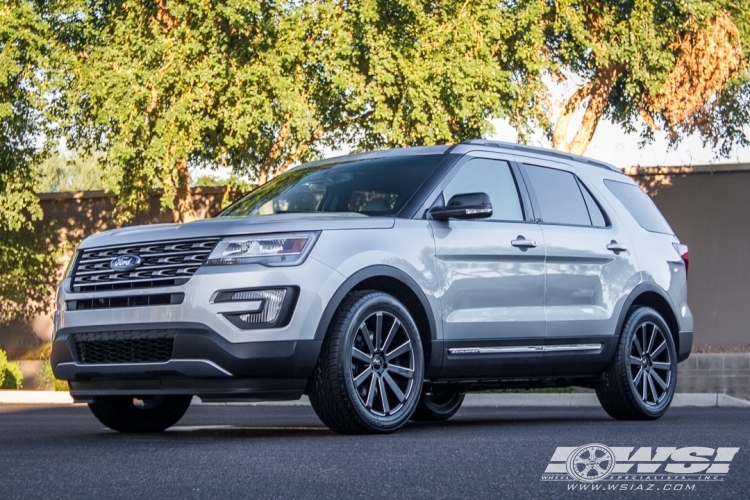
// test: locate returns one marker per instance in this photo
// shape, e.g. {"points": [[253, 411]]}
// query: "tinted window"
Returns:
{"points": [[640, 206], [595, 212], [560, 199], [493, 177], [375, 186]]}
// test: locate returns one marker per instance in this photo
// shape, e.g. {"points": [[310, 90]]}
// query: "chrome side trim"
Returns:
{"points": [[198, 368], [525, 349]]}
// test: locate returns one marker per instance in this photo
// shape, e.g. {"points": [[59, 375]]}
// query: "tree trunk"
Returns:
{"points": [[184, 210], [597, 91]]}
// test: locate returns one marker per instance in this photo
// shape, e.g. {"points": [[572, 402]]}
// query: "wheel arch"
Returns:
{"points": [[394, 282], [651, 295]]}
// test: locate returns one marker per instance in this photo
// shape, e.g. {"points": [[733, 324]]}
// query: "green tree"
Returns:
{"points": [[27, 257], [256, 85], [678, 66]]}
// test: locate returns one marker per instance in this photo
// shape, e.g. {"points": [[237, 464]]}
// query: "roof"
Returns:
{"points": [[543, 152]]}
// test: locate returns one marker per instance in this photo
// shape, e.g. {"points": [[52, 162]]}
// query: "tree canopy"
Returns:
{"points": [[256, 85], [27, 258], [678, 66]]}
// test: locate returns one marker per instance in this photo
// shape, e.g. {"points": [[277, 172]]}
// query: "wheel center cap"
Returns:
{"points": [[377, 363]]}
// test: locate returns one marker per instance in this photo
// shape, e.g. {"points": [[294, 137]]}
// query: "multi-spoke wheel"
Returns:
{"points": [[650, 363], [369, 375], [641, 381]]}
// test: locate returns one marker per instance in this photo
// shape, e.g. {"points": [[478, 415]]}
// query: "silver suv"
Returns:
{"points": [[384, 286]]}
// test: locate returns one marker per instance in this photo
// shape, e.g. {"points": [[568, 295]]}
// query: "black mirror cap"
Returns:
{"points": [[464, 206]]}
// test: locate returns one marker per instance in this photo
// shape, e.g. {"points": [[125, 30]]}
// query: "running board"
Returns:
{"points": [[525, 349]]}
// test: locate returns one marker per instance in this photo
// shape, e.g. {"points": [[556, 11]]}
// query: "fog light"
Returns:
{"points": [[272, 300], [257, 308]]}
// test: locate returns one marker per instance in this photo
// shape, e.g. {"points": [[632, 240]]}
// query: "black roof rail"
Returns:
{"points": [[543, 151]]}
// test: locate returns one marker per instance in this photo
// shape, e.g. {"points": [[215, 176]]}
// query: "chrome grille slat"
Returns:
{"points": [[157, 267], [166, 263], [107, 259]]}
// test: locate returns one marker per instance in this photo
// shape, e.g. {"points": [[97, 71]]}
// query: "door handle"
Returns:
{"points": [[522, 242], [616, 247]]}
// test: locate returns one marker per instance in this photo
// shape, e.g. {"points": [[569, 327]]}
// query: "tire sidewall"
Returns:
{"points": [[378, 302], [638, 317]]}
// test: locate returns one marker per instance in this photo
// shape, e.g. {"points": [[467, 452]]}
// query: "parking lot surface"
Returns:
{"points": [[285, 452]]}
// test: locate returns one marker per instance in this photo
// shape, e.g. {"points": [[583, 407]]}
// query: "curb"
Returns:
{"points": [[590, 400], [36, 397], [571, 400]]}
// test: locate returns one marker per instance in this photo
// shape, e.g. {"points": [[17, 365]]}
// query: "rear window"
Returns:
{"points": [[640, 206]]}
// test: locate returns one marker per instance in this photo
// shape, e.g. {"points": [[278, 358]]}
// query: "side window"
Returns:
{"points": [[640, 206], [559, 196], [493, 177], [598, 219]]}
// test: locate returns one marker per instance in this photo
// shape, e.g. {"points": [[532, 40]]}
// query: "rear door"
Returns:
{"points": [[590, 267]]}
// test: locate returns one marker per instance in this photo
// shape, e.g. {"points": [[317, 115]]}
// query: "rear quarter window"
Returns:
{"points": [[640, 206]]}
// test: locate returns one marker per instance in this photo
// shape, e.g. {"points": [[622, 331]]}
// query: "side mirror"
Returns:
{"points": [[464, 206]]}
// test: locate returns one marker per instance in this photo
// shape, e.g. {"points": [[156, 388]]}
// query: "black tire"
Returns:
{"points": [[152, 414], [640, 382], [351, 392], [438, 405]]}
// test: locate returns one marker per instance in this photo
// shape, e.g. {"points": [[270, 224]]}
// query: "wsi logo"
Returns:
{"points": [[125, 263], [598, 462]]}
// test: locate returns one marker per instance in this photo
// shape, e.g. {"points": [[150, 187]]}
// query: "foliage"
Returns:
{"points": [[47, 379], [28, 271], [256, 85], [27, 259], [69, 172], [13, 376], [234, 181], [10, 373], [3, 364], [679, 66]]}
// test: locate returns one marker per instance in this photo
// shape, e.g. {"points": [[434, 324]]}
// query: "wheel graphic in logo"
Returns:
{"points": [[592, 462]]}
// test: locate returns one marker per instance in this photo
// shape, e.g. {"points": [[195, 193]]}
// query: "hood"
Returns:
{"points": [[235, 226]]}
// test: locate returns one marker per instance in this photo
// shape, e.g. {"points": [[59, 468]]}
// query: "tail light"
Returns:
{"points": [[682, 250]]}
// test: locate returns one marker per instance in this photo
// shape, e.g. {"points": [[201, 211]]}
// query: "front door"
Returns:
{"points": [[491, 271]]}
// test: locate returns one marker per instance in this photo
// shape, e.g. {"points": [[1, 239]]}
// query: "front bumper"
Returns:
{"points": [[203, 363]]}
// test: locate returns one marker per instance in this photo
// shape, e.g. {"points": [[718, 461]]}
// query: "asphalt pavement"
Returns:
{"points": [[232, 451]]}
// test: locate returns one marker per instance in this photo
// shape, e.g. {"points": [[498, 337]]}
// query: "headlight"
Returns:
{"points": [[269, 250]]}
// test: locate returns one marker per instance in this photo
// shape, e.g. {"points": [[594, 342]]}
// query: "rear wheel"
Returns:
{"points": [[438, 404], [370, 370], [134, 414], [641, 380]]}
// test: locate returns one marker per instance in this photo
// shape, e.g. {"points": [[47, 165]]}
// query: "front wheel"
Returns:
{"points": [[640, 382], [370, 371], [134, 414]]}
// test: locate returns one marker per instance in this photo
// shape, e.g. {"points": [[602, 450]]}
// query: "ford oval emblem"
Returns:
{"points": [[125, 263]]}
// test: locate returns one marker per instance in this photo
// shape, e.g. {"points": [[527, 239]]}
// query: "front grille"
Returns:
{"points": [[131, 301], [144, 346], [167, 263]]}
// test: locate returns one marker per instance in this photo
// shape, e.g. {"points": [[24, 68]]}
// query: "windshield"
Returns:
{"points": [[374, 186]]}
